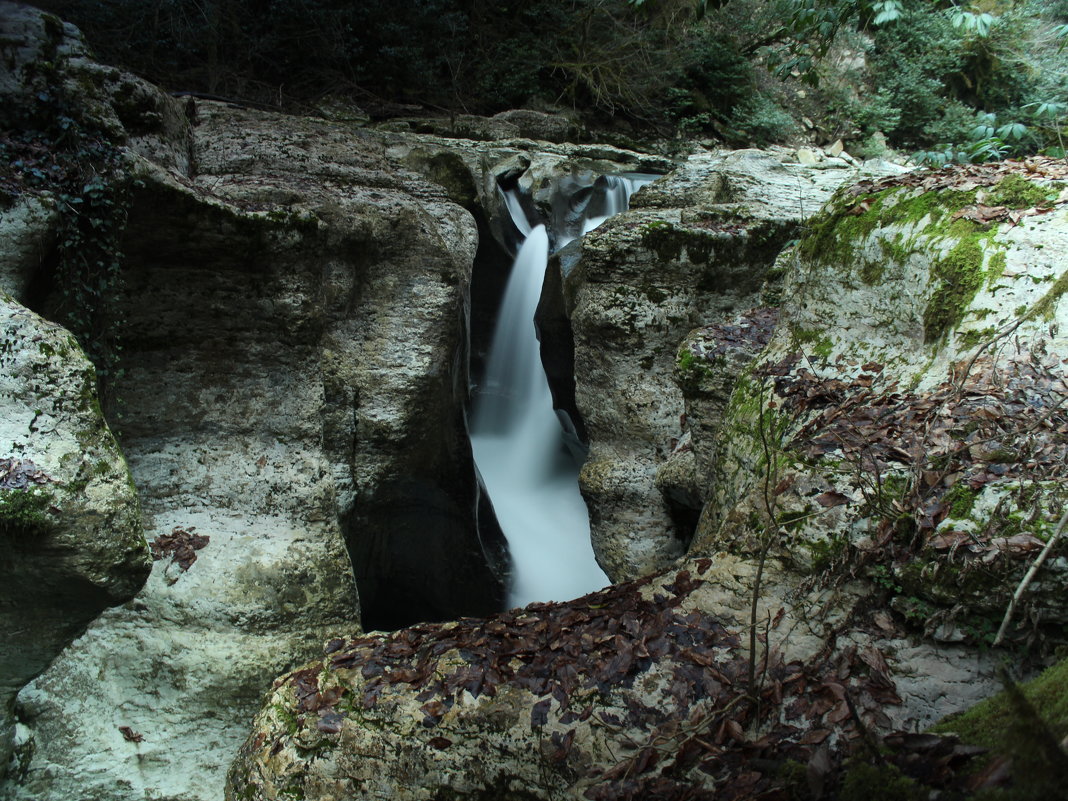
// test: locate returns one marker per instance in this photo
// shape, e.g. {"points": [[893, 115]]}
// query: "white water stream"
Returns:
{"points": [[517, 439]]}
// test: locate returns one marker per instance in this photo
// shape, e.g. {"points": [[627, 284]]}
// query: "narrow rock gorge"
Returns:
{"points": [[248, 554]]}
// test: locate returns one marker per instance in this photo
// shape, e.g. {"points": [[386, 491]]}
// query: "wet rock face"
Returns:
{"points": [[695, 249], [70, 522], [473, 173]]}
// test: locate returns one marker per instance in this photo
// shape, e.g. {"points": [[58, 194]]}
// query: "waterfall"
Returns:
{"points": [[531, 477]]}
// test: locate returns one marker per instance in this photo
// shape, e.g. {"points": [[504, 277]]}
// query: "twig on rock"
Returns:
{"points": [[1029, 577]]}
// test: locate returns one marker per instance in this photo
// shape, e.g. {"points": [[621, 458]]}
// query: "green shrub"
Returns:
{"points": [[713, 78], [759, 120], [911, 63]]}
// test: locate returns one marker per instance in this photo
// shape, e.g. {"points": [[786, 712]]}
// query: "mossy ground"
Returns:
{"points": [[864, 782], [1027, 724]]}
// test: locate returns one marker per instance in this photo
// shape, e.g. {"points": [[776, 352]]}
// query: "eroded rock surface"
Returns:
{"points": [[640, 691], [908, 412], [290, 402], [696, 248], [70, 521]]}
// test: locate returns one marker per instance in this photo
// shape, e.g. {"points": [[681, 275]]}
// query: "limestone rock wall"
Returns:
{"points": [[696, 248], [290, 404], [289, 376], [905, 420]]}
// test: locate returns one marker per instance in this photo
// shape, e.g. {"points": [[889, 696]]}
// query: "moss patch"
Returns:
{"points": [[871, 273], [836, 235], [973, 338], [26, 512], [988, 723], [825, 553], [690, 369], [670, 243], [1016, 192], [960, 273], [864, 782], [1026, 723], [1048, 302], [833, 233], [960, 500]]}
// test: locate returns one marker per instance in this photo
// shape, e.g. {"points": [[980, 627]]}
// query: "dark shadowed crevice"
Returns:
{"points": [[558, 344], [415, 559]]}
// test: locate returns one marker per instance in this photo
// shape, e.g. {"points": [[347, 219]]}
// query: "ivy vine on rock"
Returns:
{"points": [[75, 165]]}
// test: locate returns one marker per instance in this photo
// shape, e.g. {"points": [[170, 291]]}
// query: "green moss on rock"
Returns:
{"points": [[864, 782], [836, 238], [988, 723], [690, 369], [973, 338], [26, 512], [1017, 192], [670, 243], [960, 500], [1026, 723], [960, 274], [833, 234], [1048, 302]]}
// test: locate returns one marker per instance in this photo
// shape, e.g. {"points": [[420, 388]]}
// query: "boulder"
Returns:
{"points": [[541, 125], [69, 514], [50, 75], [639, 691], [905, 420]]}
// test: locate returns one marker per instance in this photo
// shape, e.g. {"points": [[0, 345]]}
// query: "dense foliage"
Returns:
{"points": [[980, 82]]}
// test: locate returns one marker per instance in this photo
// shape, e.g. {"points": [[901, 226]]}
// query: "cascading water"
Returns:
{"points": [[518, 443]]}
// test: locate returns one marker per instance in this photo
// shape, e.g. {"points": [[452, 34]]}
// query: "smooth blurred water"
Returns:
{"points": [[530, 475]]}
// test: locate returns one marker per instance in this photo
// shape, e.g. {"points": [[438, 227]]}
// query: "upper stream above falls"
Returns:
{"points": [[525, 451]]}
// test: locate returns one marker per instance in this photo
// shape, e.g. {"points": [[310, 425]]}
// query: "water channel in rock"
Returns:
{"points": [[529, 472]]}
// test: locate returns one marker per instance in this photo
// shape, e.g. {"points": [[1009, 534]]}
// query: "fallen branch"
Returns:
{"points": [[1029, 577]]}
